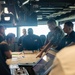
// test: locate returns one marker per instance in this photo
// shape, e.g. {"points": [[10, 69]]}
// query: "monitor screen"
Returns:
{"points": [[11, 30], [43, 64]]}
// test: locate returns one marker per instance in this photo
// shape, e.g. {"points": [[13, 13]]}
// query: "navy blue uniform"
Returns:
{"points": [[68, 39], [32, 42]]}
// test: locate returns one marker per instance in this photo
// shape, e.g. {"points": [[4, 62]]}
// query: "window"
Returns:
{"points": [[11, 30], [38, 30]]}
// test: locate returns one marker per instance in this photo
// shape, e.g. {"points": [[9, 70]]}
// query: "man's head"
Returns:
{"points": [[10, 38], [24, 31], [30, 31], [68, 27], [51, 23], [2, 29]]}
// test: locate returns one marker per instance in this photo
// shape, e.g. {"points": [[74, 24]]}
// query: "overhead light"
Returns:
{"points": [[52, 8], [25, 2], [45, 13], [39, 18], [37, 0], [71, 6], [66, 9], [6, 18], [37, 11]]}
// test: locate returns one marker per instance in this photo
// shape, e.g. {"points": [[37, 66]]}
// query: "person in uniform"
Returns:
{"points": [[54, 36], [21, 40], [69, 38], [32, 41]]}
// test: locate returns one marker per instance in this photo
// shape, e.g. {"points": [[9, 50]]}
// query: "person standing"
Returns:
{"points": [[54, 36], [69, 38], [21, 40], [32, 41]]}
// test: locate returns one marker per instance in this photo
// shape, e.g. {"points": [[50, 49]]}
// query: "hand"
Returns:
{"points": [[39, 55]]}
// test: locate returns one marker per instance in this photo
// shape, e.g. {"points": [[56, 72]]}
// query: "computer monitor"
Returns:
{"points": [[44, 64]]}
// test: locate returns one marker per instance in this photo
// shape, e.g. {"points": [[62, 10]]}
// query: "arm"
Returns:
{"points": [[46, 47], [49, 45], [8, 54], [54, 39]]}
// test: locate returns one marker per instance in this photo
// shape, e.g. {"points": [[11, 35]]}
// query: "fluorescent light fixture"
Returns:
{"points": [[66, 9], [71, 6], [6, 18], [52, 8], [25, 2], [39, 18], [37, 0], [37, 11], [45, 13]]}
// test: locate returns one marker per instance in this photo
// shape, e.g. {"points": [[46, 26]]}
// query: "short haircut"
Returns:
{"points": [[10, 36], [69, 24], [24, 29], [30, 29], [51, 20]]}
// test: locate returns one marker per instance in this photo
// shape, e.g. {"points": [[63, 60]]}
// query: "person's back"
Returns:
{"points": [[4, 68], [64, 63]]}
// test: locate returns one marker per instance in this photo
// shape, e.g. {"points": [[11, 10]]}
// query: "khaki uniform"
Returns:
{"points": [[64, 63]]}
